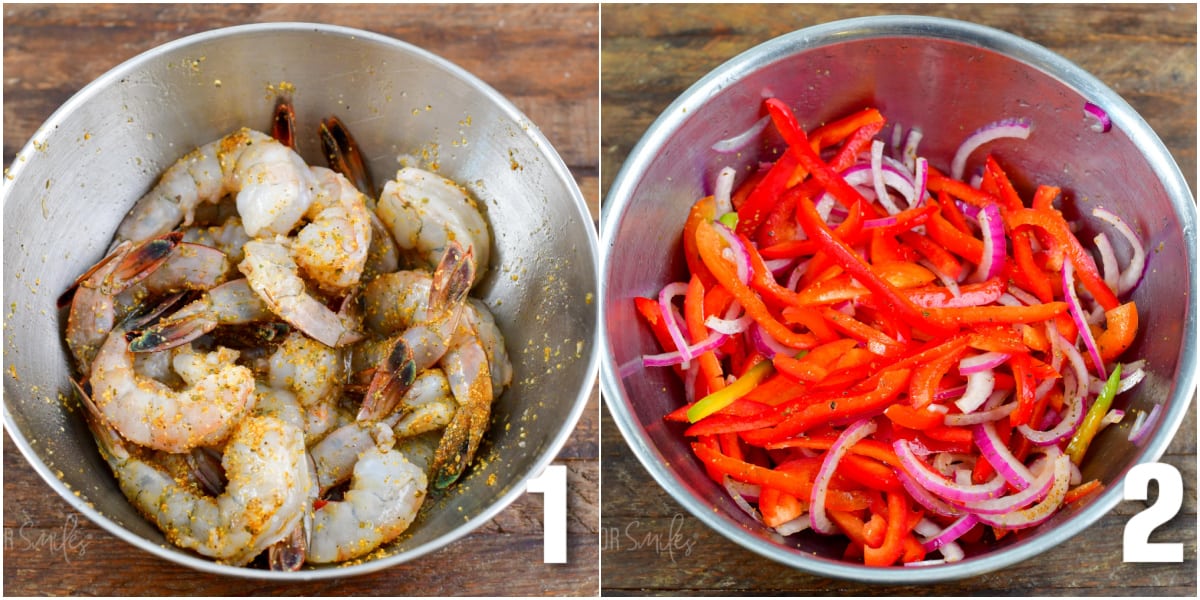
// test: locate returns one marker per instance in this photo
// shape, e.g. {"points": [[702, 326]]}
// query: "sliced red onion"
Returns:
{"points": [[1077, 313], [668, 293], [728, 326], [1137, 263], [887, 221], [793, 280], [779, 266], [1097, 118], [793, 527], [925, 498], [1112, 417], [982, 362], [948, 282], [630, 367], [951, 533], [666, 359], [979, 388], [983, 416], [723, 190], [950, 462], [1108, 262], [995, 245], [921, 179], [1071, 420], [1138, 434], [1005, 128], [734, 493], [850, 436], [1001, 458], [937, 484], [881, 193], [739, 141], [741, 256], [910, 148], [1022, 296], [950, 393], [937, 408], [1131, 374], [1042, 511], [767, 345], [1036, 491]]}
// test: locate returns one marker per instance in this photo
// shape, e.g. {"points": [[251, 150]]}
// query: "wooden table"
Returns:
{"points": [[544, 59], [650, 54]]}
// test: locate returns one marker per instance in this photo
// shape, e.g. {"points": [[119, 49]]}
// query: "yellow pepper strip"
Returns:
{"points": [[730, 393]]}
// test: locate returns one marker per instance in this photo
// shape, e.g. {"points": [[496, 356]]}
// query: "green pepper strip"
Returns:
{"points": [[1091, 423], [728, 394]]}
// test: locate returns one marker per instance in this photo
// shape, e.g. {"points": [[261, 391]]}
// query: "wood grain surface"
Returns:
{"points": [[543, 58], [650, 545]]}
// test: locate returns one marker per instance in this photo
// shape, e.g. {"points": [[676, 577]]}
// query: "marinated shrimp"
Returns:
{"points": [[248, 399]]}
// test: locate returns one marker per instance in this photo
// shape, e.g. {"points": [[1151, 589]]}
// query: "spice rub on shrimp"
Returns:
{"points": [[272, 184]]}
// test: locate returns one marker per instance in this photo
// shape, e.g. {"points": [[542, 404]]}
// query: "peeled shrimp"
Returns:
{"points": [[427, 406], [274, 276], [149, 413], [272, 184], [332, 249], [425, 212], [386, 491], [315, 374], [268, 485], [228, 237]]}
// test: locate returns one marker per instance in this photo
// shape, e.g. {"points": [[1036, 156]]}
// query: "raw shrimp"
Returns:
{"points": [[274, 276], [332, 249], [149, 413], [272, 184], [228, 237], [395, 301], [268, 486], [386, 491], [232, 303], [427, 406], [398, 301], [315, 373], [425, 212], [94, 310], [422, 344]]}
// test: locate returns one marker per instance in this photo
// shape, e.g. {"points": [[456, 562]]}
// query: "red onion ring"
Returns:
{"points": [[1042, 511], [816, 509], [668, 293], [983, 416], [723, 190], [939, 485], [1000, 457], [951, 533], [737, 498], [982, 362], [1097, 117], [995, 245], [1037, 490], [979, 388], [1108, 262], [1076, 309], [925, 498], [1005, 128], [741, 256], [1137, 435], [767, 345], [1137, 263]]}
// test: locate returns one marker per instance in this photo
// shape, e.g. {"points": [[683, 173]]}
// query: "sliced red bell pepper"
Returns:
{"points": [[1053, 223]]}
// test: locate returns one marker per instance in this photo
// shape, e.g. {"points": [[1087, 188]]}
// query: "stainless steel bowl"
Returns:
{"points": [[69, 187], [945, 77]]}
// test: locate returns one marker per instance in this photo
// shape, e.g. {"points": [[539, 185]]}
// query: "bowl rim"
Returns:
{"points": [[779, 48], [550, 451]]}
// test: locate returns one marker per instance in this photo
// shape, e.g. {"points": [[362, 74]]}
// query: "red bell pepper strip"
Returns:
{"points": [[897, 526], [1053, 223], [709, 244], [1121, 328], [762, 199], [886, 296], [693, 314], [844, 409]]}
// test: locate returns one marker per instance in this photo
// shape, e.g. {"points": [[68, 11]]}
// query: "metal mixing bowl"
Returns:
{"points": [[946, 78], [70, 186]]}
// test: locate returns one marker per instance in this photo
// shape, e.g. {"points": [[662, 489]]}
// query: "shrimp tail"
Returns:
{"points": [[452, 279], [283, 123], [110, 442], [390, 381], [205, 466], [343, 155], [472, 387], [167, 334], [143, 260], [289, 553]]}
